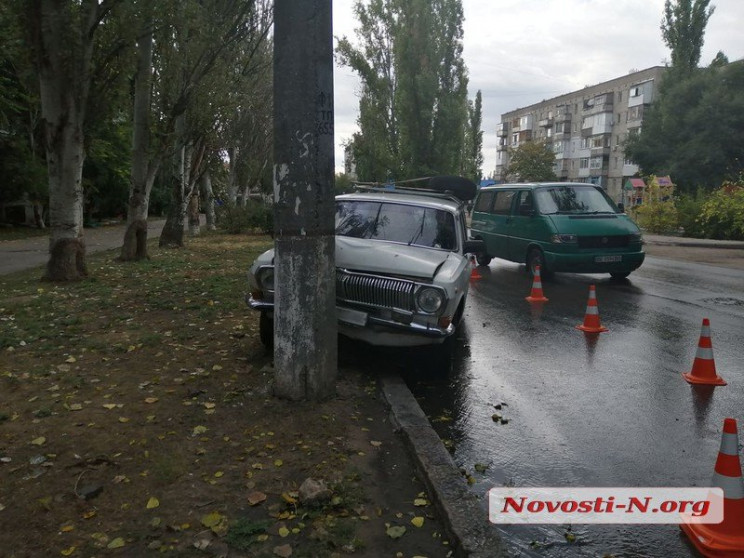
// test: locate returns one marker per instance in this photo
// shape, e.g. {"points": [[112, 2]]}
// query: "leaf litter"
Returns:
{"points": [[160, 412]]}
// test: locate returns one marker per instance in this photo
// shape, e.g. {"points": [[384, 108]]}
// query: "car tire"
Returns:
{"points": [[483, 259], [619, 274], [535, 257], [266, 330]]}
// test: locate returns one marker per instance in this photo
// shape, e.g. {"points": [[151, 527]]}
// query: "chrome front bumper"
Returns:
{"points": [[370, 322]]}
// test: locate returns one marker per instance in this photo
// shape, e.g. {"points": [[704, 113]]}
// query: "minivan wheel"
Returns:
{"points": [[266, 330], [619, 274], [535, 257], [483, 259]]}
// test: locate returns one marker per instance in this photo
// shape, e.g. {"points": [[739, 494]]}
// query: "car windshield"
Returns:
{"points": [[573, 199], [394, 222]]}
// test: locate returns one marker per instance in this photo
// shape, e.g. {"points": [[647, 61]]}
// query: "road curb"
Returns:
{"points": [[697, 243], [464, 516]]}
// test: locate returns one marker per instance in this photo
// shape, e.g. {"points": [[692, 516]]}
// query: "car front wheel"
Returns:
{"points": [[483, 259], [266, 330]]}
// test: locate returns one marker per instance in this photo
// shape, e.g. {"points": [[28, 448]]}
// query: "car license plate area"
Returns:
{"points": [[608, 259], [353, 317]]}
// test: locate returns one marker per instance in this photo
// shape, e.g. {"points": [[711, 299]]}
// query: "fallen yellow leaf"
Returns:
{"points": [[417, 521], [38, 441], [152, 503], [151, 400], [67, 551], [283, 532], [118, 542]]}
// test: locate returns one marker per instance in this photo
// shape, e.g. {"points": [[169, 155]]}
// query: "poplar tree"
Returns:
{"points": [[413, 111]]}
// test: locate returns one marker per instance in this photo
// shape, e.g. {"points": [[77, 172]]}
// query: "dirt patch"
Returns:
{"points": [[137, 420]]}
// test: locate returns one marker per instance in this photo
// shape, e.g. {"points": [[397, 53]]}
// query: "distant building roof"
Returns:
{"points": [[664, 181], [636, 182]]}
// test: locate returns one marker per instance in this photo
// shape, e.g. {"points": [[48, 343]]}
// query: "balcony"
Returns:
{"points": [[501, 132], [545, 123], [562, 116]]}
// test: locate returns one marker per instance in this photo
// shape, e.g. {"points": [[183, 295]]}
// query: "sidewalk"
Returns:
{"points": [[663, 240], [17, 255]]}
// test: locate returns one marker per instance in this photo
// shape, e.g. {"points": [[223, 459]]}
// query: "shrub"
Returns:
{"points": [[722, 215], [689, 207], [657, 214], [250, 218]]}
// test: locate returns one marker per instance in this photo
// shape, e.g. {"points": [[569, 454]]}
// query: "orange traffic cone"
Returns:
{"points": [[591, 317], [704, 367], [725, 538], [536, 294], [474, 274]]}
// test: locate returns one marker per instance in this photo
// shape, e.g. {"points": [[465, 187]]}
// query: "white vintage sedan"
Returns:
{"points": [[402, 268]]}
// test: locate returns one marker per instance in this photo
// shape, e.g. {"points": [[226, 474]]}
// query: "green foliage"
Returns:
{"points": [[694, 131], [658, 213], [532, 162], [722, 215], [683, 30], [343, 184], [472, 165], [413, 111], [106, 170], [237, 219], [689, 207]]}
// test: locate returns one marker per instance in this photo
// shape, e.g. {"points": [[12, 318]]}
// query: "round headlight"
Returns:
{"points": [[430, 300], [265, 278]]}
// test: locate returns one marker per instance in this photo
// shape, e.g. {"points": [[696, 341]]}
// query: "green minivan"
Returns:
{"points": [[560, 226]]}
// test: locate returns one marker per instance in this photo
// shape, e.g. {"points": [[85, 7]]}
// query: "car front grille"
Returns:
{"points": [[372, 290], [616, 241]]}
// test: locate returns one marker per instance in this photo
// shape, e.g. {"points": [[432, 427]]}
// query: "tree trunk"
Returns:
{"points": [[64, 85], [172, 234], [207, 195], [134, 246], [305, 329], [232, 175], [193, 209]]}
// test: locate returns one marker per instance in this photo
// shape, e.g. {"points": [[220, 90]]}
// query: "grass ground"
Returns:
{"points": [[136, 419]]}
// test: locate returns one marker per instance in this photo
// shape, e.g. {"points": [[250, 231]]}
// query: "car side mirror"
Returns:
{"points": [[621, 207], [474, 247]]}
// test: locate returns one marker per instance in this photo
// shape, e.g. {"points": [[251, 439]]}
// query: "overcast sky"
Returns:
{"points": [[519, 52]]}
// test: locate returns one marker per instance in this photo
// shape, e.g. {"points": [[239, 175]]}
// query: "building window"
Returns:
{"points": [[584, 163], [635, 91], [584, 143]]}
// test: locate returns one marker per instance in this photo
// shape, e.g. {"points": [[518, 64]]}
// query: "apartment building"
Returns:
{"points": [[586, 129]]}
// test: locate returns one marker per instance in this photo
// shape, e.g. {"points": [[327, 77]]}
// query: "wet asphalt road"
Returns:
{"points": [[608, 411]]}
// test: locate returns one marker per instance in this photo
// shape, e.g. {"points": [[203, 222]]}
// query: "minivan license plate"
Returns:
{"points": [[606, 259]]}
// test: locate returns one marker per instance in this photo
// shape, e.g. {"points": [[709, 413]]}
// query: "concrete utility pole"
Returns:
{"points": [[305, 332]]}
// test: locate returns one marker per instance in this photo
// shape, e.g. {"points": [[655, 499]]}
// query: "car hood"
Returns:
{"points": [[594, 225], [376, 256]]}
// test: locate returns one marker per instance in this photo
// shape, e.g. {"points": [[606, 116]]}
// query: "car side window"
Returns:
{"points": [[524, 202], [503, 202], [484, 202]]}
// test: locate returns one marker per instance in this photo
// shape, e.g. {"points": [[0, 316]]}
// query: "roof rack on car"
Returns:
{"points": [[455, 188]]}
